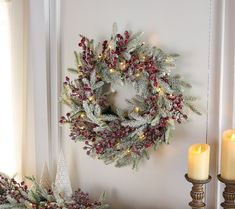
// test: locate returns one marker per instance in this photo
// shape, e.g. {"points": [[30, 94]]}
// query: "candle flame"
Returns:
{"points": [[199, 149], [233, 137]]}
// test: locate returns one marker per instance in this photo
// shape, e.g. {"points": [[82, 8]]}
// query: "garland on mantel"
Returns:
{"points": [[17, 195], [44, 194], [116, 135]]}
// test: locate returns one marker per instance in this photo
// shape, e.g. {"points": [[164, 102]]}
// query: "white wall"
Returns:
{"points": [[180, 26], [201, 31]]}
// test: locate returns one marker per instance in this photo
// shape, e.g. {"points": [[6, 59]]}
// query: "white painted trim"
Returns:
{"points": [[55, 81], [220, 113], [222, 87], [38, 69], [48, 78], [44, 58], [233, 28], [213, 101]]}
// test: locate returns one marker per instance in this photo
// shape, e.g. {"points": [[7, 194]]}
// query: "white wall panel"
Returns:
{"points": [[222, 94], [201, 31], [38, 71], [180, 26]]}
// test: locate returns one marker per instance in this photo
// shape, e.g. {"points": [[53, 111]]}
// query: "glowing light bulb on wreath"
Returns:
{"points": [[128, 151], [111, 70], [171, 96], [98, 75], [117, 146], [142, 57], [91, 98], [137, 109], [137, 75], [141, 136], [80, 73], [113, 90], [122, 65], [160, 91], [169, 60], [82, 115]]}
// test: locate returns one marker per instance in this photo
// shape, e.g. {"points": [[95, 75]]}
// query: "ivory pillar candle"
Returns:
{"points": [[228, 155], [198, 161]]}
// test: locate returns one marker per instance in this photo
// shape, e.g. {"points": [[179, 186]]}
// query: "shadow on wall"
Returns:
{"points": [[116, 203]]}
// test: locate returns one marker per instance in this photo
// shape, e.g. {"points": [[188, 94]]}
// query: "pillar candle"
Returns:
{"points": [[198, 161], [228, 155]]}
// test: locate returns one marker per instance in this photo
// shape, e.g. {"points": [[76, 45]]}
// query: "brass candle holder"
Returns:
{"points": [[197, 193], [228, 194]]}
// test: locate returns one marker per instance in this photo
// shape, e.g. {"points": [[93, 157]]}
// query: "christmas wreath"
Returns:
{"points": [[124, 136]]}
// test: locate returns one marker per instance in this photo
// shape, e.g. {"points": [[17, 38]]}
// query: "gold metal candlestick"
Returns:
{"points": [[228, 194], [197, 192]]}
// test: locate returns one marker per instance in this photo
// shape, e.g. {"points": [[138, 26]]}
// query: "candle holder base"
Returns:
{"points": [[197, 193], [228, 194]]}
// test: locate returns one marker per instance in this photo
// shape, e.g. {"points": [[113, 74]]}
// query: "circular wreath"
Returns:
{"points": [[124, 136]]}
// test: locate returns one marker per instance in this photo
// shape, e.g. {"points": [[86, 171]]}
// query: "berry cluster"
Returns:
{"points": [[81, 198], [9, 187], [87, 54]]}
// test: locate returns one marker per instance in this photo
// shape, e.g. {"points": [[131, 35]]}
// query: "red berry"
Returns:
{"points": [[83, 40], [126, 33], [67, 78]]}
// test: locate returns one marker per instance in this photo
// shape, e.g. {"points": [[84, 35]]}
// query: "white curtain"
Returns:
{"points": [[7, 142], [29, 108], [17, 145]]}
